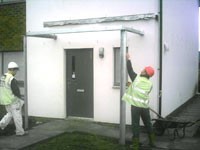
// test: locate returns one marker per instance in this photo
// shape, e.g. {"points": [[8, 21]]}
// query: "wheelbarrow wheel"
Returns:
{"points": [[158, 128]]}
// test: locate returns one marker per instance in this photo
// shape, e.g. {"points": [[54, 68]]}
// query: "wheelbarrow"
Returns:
{"points": [[177, 125]]}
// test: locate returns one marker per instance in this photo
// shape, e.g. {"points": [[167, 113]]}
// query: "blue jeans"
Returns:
{"points": [[136, 112]]}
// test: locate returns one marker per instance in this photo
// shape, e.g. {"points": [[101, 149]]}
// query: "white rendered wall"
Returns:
{"points": [[39, 11], [46, 57], [180, 55]]}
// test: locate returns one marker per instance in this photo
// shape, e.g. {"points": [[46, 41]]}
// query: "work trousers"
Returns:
{"points": [[136, 112], [14, 111]]}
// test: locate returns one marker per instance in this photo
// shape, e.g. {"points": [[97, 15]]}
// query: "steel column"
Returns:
{"points": [[25, 83], [122, 87]]}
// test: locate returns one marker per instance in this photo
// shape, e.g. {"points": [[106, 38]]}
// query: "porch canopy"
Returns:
{"points": [[52, 34]]}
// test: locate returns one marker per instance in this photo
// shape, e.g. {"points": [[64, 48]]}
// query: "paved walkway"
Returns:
{"points": [[56, 127]]}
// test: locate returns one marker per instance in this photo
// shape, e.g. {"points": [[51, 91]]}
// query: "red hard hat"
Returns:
{"points": [[149, 70]]}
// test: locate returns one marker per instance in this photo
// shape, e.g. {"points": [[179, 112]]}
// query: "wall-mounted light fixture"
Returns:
{"points": [[101, 52]]}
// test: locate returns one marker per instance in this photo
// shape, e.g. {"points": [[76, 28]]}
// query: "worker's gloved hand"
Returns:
{"points": [[20, 101], [128, 83]]}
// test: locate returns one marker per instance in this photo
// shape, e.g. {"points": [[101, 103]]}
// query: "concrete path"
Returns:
{"points": [[56, 127]]}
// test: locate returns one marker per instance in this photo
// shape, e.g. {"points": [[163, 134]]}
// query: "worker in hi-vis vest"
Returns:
{"points": [[137, 95], [10, 97]]}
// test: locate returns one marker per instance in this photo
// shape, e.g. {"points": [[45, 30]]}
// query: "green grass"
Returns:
{"points": [[79, 141]]}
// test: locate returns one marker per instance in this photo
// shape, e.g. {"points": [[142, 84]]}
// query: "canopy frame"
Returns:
{"points": [[52, 34]]}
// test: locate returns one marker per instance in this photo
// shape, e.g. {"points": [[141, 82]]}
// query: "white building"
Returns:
{"points": [[67, 77]]}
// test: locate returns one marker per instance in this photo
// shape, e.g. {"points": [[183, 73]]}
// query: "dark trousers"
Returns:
{"points": [[136, 112]]}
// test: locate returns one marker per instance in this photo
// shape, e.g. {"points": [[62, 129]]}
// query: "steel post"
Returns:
{"points": [[25, 84], [122, 87]]}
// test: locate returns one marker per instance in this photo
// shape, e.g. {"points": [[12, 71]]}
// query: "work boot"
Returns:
{"points": [[152, 140], [135, 145], [24, 134]]}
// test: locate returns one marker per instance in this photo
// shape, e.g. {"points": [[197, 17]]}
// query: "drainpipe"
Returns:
{"points": [[161, 53]]}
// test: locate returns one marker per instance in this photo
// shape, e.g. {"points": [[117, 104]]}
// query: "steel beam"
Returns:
{"points": [[133, 30], [49, 36], [46, 34]]}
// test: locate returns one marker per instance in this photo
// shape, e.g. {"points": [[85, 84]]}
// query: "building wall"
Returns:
{"points": [[47, 57], [177, 58], [180, 53], [48, 10]]}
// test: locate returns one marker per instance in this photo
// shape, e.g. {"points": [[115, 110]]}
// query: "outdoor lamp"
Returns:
{"points": [[101, 52]]}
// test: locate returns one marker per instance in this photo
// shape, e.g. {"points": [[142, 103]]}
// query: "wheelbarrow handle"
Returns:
{"points": [[155, 113]]}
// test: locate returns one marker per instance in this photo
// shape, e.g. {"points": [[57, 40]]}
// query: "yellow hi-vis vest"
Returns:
{"points": [[6, 94], [137, 93]]}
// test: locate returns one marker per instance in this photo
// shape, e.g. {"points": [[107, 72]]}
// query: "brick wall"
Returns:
{"points": [[12, 26]]}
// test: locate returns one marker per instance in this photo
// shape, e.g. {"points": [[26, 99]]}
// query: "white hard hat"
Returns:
{"points": [[12, 65]]}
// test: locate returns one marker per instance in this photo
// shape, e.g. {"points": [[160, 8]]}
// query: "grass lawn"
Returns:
{"points": [[69, 141], [79, 141]]}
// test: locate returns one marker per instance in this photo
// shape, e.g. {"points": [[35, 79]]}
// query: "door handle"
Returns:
{"points": [[80, 90]]}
